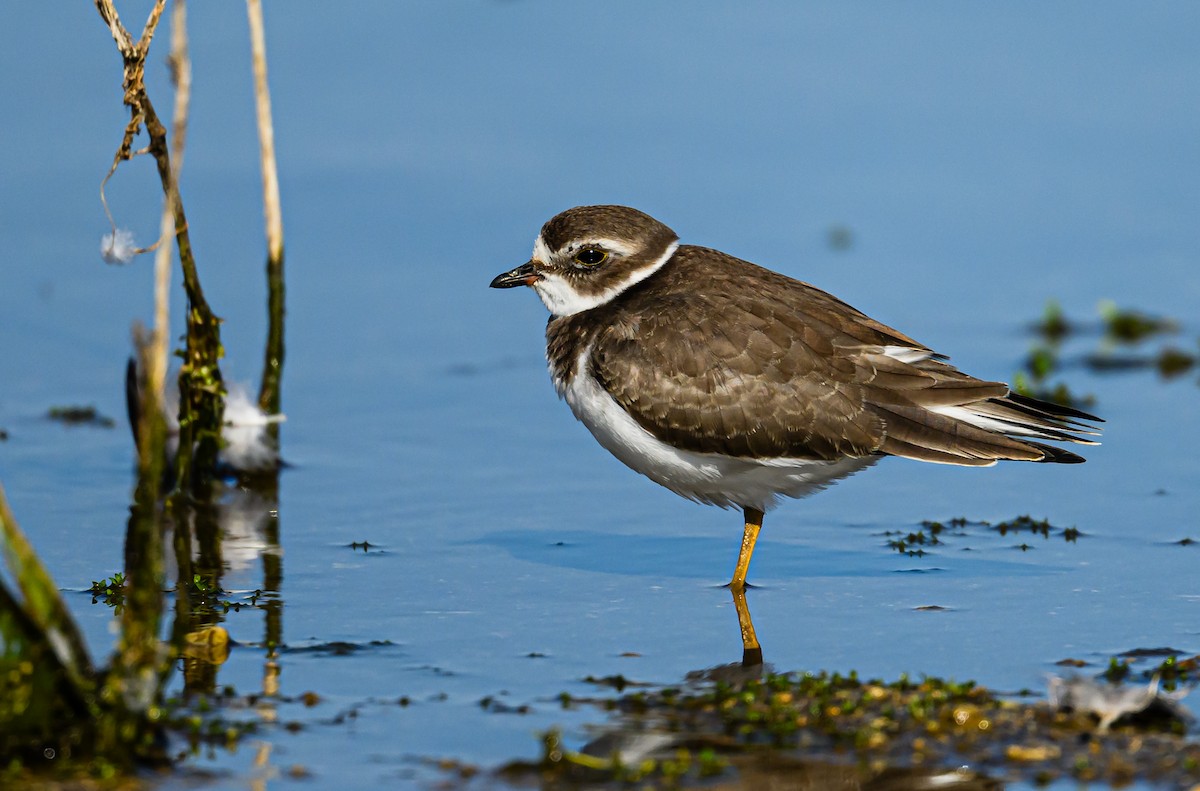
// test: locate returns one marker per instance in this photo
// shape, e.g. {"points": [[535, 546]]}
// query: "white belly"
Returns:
{"points": [[705, 477]]}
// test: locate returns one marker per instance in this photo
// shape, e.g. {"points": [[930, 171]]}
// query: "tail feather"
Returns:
{"points": [[1066, 414], [983, 431], [955, 440]]}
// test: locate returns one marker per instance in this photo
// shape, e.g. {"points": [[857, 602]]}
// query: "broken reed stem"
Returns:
{"points": [[141, 661], [266, 133], [269, 395], [120, 35], [152, 352], [201, 393], [181, 75]]}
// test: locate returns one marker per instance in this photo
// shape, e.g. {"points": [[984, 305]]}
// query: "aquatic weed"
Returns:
{"points": [[801, 721]]}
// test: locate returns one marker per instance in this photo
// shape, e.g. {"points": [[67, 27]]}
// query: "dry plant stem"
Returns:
{"points": [[266, 133], [181, 76], [137, 673], [124, 41], [200, 386], [152, 351], [269, 396]]}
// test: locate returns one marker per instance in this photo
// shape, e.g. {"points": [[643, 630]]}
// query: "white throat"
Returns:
{"points": [[562, 299]]}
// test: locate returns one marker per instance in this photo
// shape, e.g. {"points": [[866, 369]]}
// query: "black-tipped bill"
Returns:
{"points": [[521, 276]]}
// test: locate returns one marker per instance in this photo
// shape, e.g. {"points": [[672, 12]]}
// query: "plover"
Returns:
{"points": [[734, 385]]}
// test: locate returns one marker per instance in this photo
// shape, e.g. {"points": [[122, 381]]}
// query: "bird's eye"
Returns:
{"points": [[591, 256]]}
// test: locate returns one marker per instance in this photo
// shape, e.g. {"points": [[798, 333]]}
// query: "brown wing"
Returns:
{"points": [[756, 364], [744, 366]]}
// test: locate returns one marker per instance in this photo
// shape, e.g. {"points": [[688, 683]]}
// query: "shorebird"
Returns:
{"points": [[734, 385]]}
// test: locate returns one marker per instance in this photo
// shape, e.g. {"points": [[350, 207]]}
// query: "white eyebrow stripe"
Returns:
{"points": [[543, 253], [617, 246]]}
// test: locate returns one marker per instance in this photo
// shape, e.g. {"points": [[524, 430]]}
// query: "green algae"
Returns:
{"points": [[1125, 340], [1127, 325], [79, 416], [110, 591], [840, 730], [936, 534]]}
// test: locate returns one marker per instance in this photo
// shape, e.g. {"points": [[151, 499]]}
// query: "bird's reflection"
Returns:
{"points": [[752, 655], [633, 741]]}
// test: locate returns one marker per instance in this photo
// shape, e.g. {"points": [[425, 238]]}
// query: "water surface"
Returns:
{"points": [[984, 159]]}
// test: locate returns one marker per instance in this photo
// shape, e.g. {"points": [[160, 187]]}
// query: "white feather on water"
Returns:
{"points": [[246, 446]]}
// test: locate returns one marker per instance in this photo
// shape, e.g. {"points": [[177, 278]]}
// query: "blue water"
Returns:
{"points": [[984, 159]]}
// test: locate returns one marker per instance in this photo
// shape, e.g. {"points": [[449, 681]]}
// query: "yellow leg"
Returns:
{"points": [[752, 654], [754, 519]]}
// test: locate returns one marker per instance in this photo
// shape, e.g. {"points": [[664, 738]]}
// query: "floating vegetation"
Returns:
{"points": [[493, 705], [1117, 670], [110, 591], [810, 724], [824, 730], [1125, 325], [1169, 362], [938, 534], [617, 682], [1040, 527], [336, 647], [79, 416], [913, 544], [1043, 361], [1053, 325], [1172, 669], [1118, 331]]}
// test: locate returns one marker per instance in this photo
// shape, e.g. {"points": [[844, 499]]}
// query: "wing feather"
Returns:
{"points": [[755, 364]]}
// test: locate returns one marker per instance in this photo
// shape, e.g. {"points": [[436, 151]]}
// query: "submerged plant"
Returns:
{"points": [[79, 415], [832, 730], [1119, 329], [111, 591], [1053, 326], [58, 710], [54, 704], [1125, 325]]}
